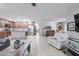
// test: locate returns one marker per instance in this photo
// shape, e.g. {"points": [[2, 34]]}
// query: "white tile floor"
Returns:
{"points": [[40, 47]]}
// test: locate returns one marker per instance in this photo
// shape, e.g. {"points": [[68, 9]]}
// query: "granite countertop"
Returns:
{"points": [[10, 51]]}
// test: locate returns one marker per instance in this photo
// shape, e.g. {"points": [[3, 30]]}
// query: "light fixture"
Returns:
{"points": [[33, 4]]}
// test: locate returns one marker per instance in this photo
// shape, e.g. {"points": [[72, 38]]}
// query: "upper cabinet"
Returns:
{"points": [[2, 23], [5, 23], [10, 24], [21, 25]]}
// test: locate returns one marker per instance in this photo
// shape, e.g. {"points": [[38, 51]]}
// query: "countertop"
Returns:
{"points": [[10, 51]]}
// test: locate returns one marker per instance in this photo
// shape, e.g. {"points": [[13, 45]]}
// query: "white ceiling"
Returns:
{"points": [[40, 13]]}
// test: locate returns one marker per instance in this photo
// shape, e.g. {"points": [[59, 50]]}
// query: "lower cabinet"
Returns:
{"points": [[24, 50]]}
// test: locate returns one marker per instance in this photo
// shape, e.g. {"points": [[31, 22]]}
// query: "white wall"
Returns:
{"points": [[71, 14], [54, 23]]}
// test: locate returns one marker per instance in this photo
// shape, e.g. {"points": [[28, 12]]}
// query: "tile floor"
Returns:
{"points": [[40, 47]]}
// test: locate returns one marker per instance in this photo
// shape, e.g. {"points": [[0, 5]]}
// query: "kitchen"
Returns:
{"points": [[39, 29]]}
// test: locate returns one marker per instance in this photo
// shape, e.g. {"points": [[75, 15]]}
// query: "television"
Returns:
{"points": [[76, 18]]}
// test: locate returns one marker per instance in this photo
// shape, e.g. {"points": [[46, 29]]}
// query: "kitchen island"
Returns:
{"points": [[22, 51]]}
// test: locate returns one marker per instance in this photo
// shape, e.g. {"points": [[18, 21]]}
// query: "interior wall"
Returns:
{"points": [[40, 13], [70, 18]]}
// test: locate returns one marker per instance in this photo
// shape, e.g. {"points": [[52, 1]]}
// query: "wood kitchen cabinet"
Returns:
{"points": [[4, 34], [20, 25], [4, 21], [5, 26]]}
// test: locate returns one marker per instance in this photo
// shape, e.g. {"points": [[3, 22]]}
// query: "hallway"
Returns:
{"points": [[40, 47]]}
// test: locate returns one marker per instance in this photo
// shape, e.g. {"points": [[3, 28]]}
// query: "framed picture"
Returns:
{"points": [[60, 27], [71, 26]]}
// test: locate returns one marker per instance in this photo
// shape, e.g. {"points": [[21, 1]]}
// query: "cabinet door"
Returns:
{"points": [[1, 23]]}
